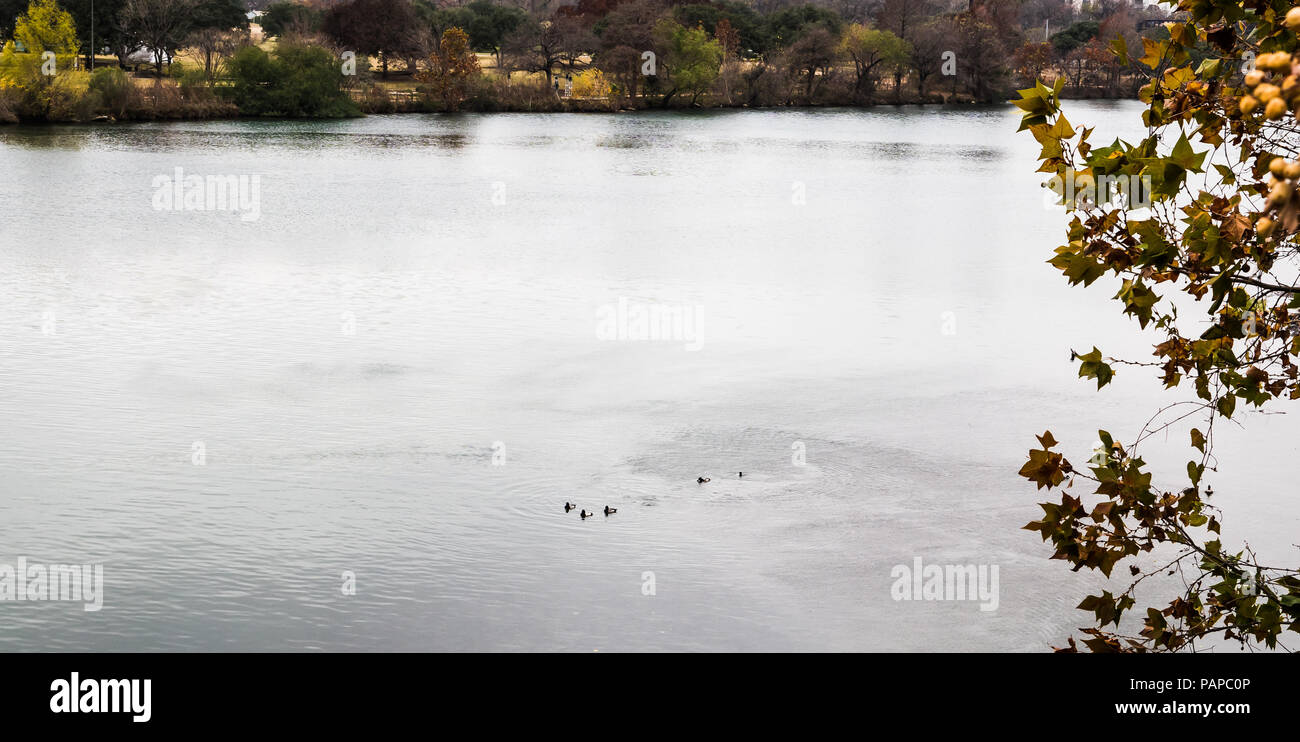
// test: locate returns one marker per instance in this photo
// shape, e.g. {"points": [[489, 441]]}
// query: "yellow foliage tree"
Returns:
{"points": [[451, 68], [46, 27], [591, 83]]}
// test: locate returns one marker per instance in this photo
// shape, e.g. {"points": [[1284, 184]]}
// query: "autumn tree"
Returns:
{"points": [[728, 37], [1102, 63], [1205, 258], [451, 69], [1031, 59]]}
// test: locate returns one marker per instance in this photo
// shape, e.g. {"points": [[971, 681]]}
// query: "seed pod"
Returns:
{"points": [[1274, 61], [1277, 167], [1293, 19], [1280, 194], [1275, 109], [1254, 77], [1248, 104], [1292, 170], [1267, 92], [1264, 227]]}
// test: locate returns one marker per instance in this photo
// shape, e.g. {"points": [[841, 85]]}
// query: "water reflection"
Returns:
{"points": [[473, 332]]}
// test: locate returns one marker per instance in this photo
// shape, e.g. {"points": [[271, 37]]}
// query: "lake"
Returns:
{"points": [[347, 414]]}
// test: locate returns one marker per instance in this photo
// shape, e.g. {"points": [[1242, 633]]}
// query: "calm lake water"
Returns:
{"points": [[411, 359]]}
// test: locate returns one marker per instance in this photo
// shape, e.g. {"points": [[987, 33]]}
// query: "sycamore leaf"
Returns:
{"points": [[1184, 156], [1093, 367], [1152, 52], [1226, 404]]}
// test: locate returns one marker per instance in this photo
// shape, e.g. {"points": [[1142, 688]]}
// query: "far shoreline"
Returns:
{"points": [[564, 109]]}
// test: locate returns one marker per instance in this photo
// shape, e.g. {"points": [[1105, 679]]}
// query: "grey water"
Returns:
{"points": [[351, 423]]}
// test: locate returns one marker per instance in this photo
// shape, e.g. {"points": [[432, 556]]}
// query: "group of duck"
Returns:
{"points": [[582, 513]]}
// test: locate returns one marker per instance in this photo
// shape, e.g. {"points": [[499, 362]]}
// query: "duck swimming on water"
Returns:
{"points": [[702, 480], [610, 511], [569, 506], [585, 515]]}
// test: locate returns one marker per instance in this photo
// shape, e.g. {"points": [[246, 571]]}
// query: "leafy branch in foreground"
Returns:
{"points": [[1217, 226]]}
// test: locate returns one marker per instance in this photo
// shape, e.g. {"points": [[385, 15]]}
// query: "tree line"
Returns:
{"points": [[585, 55]]}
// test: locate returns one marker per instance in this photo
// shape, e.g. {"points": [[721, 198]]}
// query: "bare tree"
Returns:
{"points": [[813, 58], [161, 25], [903, 18], [214, 45], [575, 41], [929, 42], [623, 64], [419, 44], [535, 47]]}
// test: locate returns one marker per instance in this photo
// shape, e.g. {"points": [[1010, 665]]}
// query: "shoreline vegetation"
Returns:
{"points": [[219, 59]]}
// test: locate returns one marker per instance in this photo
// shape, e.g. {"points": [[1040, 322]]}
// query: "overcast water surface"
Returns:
{"points": [[425, 343]]}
